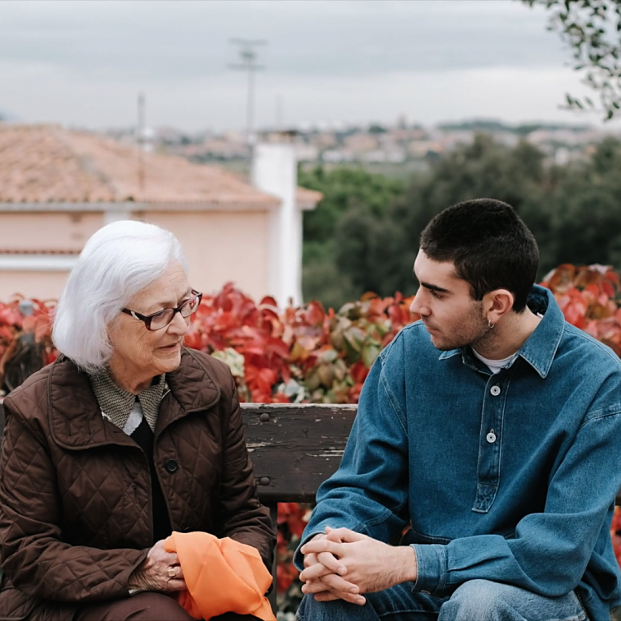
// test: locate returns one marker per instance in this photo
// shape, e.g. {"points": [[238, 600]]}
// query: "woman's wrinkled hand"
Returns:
{"points": [[160, 571]]}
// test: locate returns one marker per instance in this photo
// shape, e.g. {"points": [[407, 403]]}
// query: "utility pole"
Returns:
{"points": [[248, 63], [141, 137], [280, 114]]}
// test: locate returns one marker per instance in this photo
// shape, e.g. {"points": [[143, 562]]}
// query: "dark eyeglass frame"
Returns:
{"points": [[147, 319]]}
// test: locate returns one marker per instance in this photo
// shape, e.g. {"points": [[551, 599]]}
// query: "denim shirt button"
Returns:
{"points": [[491, 437], [495, 390]]}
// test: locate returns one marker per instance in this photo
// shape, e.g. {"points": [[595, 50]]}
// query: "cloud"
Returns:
{"points": [[83, 63], [176, 40]]}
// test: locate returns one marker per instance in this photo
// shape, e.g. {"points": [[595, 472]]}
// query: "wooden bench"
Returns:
{"points": [[294, 448]]}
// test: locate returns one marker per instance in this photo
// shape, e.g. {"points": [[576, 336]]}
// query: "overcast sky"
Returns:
{"points": [[83, 63]]}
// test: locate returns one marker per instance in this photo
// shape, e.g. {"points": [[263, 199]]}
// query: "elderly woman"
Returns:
{"points": [[125, 438]]}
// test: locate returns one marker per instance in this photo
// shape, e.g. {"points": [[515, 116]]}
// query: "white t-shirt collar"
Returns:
{"points": [[495, 366]]}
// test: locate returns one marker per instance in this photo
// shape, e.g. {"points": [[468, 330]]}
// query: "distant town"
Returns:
{"points": [[396, 149], [400, 146]]}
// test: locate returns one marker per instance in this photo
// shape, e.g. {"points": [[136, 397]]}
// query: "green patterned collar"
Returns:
{"points": [[116, 403]]}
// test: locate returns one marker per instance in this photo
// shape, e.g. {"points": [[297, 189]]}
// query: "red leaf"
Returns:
{"points": [[359, 371], [284, 577], [314, 313]]}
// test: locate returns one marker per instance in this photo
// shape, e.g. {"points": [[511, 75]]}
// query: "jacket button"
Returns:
{"points": [[495, 390], [171, 466]]}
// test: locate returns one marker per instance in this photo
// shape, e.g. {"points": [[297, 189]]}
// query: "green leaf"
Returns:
{"points": [[369, 353], [355, 338], [329, 355]]}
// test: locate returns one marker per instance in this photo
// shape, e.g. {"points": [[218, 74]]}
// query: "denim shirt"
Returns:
{"points": [[509, 477]]}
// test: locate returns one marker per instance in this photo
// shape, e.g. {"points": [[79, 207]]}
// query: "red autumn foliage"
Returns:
{"points": [[587, 296], [615, 532], [23, 328], [299, 354], [292, 519]]}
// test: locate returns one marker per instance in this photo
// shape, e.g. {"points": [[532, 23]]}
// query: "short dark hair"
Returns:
{"points": [[489, 245]]}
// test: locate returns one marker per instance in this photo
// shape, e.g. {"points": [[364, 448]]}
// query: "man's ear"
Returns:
{"points": [[496, 304]]}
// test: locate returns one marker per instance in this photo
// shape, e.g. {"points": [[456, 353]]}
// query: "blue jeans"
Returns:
{"points": [[477, 600]]}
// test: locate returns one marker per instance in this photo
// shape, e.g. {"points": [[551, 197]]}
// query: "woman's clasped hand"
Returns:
{"points": [[160, 571]]}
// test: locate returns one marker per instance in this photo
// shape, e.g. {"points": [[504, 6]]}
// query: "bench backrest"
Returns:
{"points": [[294, 447]]}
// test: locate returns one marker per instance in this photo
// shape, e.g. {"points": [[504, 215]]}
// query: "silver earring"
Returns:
{"points": [[490, 325]]}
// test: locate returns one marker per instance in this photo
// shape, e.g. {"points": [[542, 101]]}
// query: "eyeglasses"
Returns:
{"points": [[162, 318]]}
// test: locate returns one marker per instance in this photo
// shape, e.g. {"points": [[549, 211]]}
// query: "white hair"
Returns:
{"points": [[117, 262]]}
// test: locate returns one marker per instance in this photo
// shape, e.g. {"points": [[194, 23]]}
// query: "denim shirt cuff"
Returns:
{"points": [[430, 567], [298, 557]]}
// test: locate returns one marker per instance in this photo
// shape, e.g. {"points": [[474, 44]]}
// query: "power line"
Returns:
{"points": [[248, 56]]}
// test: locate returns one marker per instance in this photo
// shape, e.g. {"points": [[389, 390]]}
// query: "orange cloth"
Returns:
{"points": [[222, 575]]}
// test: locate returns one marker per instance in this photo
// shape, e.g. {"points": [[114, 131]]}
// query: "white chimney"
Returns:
{"points": [[274, 171]]}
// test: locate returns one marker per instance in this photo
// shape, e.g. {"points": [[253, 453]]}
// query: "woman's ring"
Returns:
{"points": [[171, 572]]}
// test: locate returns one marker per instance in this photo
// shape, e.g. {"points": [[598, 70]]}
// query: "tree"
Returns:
{"points": [[342, 188], [585, 210], [346, 191], [591, 29], [369, 250]]}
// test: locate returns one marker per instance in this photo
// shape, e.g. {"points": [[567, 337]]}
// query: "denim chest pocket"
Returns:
{"points": [[411, 537]]}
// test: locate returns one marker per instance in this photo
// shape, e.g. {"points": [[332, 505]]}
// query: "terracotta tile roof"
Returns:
{"points": [[308, 199], [42, 251], [49, 164]]}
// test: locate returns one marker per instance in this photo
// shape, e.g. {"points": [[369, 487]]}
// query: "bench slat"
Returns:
{"points": [[295, 447]]}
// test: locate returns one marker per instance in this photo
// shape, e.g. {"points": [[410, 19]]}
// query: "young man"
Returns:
{"points": [[495, 428]]}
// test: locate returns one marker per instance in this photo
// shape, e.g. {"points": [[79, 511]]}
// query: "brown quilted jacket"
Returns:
{"points": [[75, 506]]}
